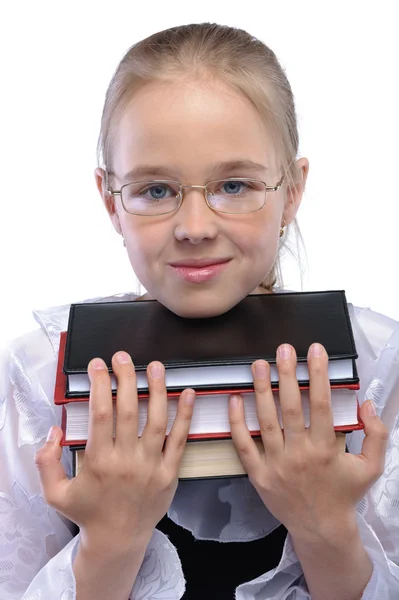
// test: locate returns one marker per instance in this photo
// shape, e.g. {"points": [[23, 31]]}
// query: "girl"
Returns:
{"points": [[199, 175]]}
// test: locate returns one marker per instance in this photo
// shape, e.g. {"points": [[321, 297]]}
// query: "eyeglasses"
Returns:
{"points": [[236, 195]]}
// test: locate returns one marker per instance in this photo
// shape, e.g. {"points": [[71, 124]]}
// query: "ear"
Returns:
{"points": [[108, 199], [295, 192]]}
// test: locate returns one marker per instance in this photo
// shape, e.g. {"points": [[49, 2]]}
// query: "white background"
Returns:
{"points": [[56, 243]]}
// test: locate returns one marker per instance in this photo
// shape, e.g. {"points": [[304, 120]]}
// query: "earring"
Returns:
{"points": [[282, 229], [124, 243]]}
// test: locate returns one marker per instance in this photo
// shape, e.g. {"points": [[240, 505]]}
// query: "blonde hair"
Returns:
{"points": [[226, 54]]}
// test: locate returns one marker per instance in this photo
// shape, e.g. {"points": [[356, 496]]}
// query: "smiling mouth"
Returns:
{"points": [[199, 262], [199, 271]]}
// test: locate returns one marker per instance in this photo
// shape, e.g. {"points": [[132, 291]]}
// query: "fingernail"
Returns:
{"points": [[260, 370], [371, 408], [122, 358], [234, 400], [157, 370], [98, 364], [316, 350], [285, 351], [190, 397], [52, 435]]}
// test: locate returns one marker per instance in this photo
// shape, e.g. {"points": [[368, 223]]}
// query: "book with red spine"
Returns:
{"points": [[203, 396]]}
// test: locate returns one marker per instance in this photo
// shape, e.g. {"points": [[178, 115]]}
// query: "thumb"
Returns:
{"points": [[51, 471], [375, 442]]}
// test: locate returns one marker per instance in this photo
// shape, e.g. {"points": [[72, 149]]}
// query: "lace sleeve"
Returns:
{"points": [[31, 532], [379, 509], [37, 544]]}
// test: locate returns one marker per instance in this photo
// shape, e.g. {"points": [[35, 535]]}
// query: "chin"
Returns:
{"points": [[199, 306]]}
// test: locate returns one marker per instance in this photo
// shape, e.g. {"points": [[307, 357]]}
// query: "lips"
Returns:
{"points": [[199, 262], [199, 270]]}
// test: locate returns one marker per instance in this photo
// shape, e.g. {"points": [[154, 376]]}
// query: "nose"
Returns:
{"points": [[195, 221]]}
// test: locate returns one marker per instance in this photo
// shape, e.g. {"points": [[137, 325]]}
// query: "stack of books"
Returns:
{"points": [[214, 357]]}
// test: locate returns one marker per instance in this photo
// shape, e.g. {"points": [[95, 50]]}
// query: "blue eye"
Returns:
{"points": [[157, 192], [234, 187]]}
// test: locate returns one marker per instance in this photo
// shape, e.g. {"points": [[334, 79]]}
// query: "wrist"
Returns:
{"points": [[334, 533], [101, 547], [343, 538], [104, 572], [335, 566]]}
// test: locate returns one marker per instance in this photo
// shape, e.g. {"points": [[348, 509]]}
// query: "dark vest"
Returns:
{"points": [[213, 570]]}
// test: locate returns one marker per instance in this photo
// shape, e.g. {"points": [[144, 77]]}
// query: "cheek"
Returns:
{"points": [[146, 242], [257, 239]]}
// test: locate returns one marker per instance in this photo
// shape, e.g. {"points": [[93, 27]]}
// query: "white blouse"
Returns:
{"points": [[37, 546]]}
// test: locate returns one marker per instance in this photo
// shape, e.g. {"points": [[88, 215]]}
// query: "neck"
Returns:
{"points": [[260, 290]]}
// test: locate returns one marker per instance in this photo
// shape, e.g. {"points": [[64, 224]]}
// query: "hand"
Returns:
{"points": [[302, 478], [126, 483]]}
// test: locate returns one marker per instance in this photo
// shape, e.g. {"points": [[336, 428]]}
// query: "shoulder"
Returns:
{"points": [[32, 350], [34, 354], [373, 331], [53, 320]]}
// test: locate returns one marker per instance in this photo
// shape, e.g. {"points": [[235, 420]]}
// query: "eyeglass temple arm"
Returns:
{"points": [[274, 188]]}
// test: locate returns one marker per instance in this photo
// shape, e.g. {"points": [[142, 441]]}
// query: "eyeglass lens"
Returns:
{"points": [[161, 197]]}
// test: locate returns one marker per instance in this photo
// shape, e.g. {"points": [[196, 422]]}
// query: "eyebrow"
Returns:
{"points": [[157, 171]]}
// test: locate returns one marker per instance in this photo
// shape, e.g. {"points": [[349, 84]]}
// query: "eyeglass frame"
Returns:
{"points": [[268, 188]]}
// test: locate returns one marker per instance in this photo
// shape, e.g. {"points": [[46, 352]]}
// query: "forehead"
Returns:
{"points": [[191, 126]]}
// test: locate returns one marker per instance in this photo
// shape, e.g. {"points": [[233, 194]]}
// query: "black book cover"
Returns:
{"points": [[252, 329]]}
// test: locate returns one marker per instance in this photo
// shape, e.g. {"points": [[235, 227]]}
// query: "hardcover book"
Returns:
{"points": [[211, 353]]}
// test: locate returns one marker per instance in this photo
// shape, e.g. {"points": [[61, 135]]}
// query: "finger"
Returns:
{"points": [[153, 437], [290, 396], [321, 415], [270, 428], [375, 443], [177, 438], [52, 474], [100, 437], [126, 430], [245, 445]]}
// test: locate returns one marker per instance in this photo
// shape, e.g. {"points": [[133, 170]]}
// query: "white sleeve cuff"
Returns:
{"points": [[160, 575]]}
